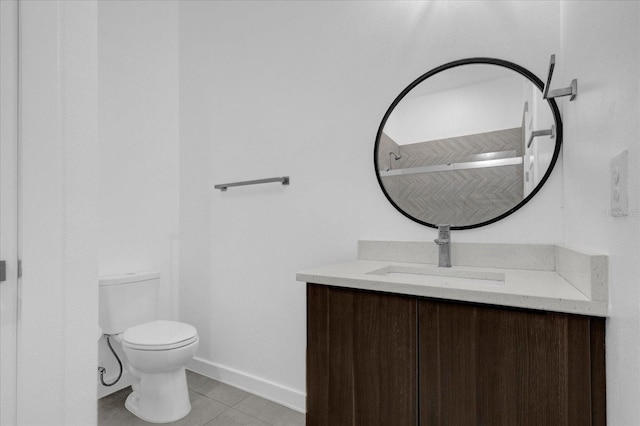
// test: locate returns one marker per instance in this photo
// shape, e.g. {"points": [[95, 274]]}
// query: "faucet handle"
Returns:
{"points": [[444, 234], [444, 231]]}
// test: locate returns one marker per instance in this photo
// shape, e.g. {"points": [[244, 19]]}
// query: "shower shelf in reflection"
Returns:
{"points": [[512, 161]]}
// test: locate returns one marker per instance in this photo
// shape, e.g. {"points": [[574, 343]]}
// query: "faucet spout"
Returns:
{"points": [[444, 246]]}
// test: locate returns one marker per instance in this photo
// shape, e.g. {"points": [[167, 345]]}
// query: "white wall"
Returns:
{"points": [[139, 146], [299, 89], [601, 48], [57, 323], [475, 108]]}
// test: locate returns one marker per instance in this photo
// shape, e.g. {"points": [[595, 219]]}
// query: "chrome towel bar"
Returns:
{"points": [[223, 186]]}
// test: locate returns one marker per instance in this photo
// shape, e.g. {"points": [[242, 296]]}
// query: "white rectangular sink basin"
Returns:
{"points": [[439, 276]]}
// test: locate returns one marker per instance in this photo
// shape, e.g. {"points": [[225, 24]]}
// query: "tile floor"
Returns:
{"points": [[212, 404]]}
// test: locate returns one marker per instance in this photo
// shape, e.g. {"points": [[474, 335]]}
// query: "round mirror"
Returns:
{"points": [[467, 143]]}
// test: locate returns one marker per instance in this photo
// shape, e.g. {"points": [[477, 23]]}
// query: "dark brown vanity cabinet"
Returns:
{"points": [[482, 365], [391, 360], [361, 358]]}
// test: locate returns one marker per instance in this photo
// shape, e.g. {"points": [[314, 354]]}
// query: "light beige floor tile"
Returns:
{"points": [[112, 412], [214, 389], [232, 417], [208, 407], [203, 410], [270, 412]]}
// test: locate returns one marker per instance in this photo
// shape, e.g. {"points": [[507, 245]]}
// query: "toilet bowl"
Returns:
{"points": [[156, 351], [155, 355]]}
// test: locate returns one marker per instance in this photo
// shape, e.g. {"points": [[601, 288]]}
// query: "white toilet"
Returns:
{"points": [[156, 351]]}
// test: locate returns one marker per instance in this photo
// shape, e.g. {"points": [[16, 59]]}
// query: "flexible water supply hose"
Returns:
{"points": [[102, 370]]}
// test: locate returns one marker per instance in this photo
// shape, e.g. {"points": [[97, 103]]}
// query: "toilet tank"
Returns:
{"points": [[127, 300]]}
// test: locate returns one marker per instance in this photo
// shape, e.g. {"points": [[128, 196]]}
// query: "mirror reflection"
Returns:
{"points": [[460, 148]]}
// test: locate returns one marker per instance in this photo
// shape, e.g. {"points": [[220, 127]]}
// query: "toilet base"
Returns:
{"points": [[160, 397]]}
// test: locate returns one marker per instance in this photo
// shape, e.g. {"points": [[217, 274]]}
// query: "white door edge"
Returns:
{"points": [[9, 210]]}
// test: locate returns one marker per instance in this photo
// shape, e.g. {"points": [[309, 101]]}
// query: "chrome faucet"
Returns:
{"points": [[444, 246]]}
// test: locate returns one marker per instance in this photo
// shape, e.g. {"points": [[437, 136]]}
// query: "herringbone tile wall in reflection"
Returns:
{"points": [[458, 197]]}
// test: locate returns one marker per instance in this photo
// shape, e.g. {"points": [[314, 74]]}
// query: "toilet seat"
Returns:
{"points": [[159, 335]]}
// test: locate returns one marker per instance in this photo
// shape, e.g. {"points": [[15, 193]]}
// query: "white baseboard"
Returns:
{"points": [[256, 385]]}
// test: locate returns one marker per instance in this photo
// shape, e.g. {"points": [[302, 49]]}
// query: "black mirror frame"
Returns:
{"points": [[486, 61]]}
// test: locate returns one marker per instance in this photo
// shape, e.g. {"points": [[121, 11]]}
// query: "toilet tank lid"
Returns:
{"points": [[127, 278]]}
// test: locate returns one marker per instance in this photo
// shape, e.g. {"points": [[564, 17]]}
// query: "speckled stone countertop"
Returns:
{"points": [[541, 277]]}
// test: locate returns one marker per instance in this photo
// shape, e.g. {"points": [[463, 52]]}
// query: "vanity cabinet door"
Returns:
{"points": [[482, 365], [361, 358]]}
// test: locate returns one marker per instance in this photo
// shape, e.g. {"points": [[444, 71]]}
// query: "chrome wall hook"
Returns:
{"points": [[572, 90]]}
